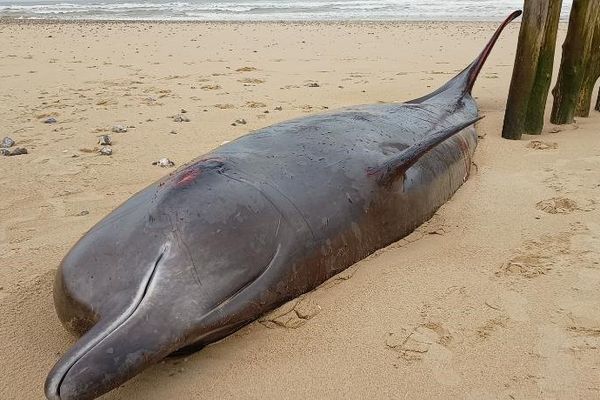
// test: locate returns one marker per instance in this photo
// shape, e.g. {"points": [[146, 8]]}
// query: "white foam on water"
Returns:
{"points": [[265, 10]]}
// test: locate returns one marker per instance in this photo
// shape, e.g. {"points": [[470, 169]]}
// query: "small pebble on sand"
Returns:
{"points": [[181, 118], [7, 143], [313, 84], [104, 140], [50, 120], [119, 129], [106, 151], [164, 163]]}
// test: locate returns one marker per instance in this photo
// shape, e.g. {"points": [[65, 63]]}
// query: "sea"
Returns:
{"points": [[265, 10]]}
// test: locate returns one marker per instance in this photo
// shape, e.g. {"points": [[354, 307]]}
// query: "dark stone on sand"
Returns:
{"points": [[104, 140], [17, 151]]}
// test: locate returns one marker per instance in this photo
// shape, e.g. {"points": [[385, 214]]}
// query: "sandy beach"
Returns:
{"points": [[497, 297]]}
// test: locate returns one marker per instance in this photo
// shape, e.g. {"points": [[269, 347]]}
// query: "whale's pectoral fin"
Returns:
{"points": [[394, 168]]}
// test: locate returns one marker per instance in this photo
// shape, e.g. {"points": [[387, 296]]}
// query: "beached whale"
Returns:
{"points": [[253, 224]]}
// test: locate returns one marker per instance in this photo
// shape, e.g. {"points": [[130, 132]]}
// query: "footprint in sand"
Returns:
{"points": [[551, 252], [427, 343], [562, 205], [538, 257], [557, 205], [540, 145], [527, 266], [293, 314]]}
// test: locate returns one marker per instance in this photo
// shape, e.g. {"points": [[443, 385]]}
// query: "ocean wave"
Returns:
{"points": [[228, 10]]}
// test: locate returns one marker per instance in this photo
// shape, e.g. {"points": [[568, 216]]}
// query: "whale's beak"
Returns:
{"points": [[123, 343], [88, 373]]}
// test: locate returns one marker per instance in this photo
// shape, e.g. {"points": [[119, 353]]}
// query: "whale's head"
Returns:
{"points": [[156, 274]]}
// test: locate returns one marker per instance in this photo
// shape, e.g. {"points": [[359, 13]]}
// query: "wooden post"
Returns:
{"points": [[576, 50], [534, 122], [592, 73], [533, 69]]}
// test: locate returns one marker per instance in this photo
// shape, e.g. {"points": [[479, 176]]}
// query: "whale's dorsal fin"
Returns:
{"points": [[395, 167]]}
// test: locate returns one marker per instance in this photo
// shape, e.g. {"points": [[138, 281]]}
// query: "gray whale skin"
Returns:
{"points": [[253, 224]]}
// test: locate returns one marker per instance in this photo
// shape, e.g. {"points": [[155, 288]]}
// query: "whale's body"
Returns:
{"points": [[255, 223]]}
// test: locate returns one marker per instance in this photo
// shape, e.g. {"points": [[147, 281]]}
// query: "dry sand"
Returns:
{"points": [[497, 297]]}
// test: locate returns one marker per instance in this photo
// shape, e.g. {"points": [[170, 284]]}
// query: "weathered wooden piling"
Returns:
{"points": [[592, 73], [576, 53], [532, 72]]}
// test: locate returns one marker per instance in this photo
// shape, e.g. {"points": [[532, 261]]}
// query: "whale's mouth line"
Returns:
{"points": [[109, 329]]}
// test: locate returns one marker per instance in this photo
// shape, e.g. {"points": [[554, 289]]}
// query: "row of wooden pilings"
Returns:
{"points": [[532, 74]]}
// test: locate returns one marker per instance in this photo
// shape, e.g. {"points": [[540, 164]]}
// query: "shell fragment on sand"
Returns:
{"points": [[164, 163], [106, 151], [119, 129]]}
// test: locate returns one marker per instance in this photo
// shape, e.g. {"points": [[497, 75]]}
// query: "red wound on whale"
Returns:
{"points": [[189, 175]]}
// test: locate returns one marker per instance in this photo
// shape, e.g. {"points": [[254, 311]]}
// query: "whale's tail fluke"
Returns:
{"points": [[470, 74], [463, 83]]}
